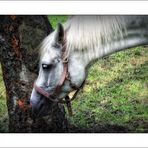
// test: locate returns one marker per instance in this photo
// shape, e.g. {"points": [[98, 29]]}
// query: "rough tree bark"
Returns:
{"points": [[19, 39]]}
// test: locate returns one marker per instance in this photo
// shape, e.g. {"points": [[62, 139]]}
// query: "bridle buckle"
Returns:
{"points": [[65, 61]]}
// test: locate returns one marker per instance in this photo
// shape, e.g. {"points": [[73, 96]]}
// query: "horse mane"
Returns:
{"points": [[89, 32]]}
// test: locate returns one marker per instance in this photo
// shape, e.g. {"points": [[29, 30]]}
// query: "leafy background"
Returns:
{"points": [[114, 98]]}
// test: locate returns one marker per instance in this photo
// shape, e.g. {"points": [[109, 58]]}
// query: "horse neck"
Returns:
{"points": [[133, 36], [134, 32]]}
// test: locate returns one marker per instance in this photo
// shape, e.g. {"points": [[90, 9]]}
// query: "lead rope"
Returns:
{"points": [[68, 100], [68, 104]]}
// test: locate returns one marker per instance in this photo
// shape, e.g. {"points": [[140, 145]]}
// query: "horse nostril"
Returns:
{"points": [[41, 105], [47, 85], [37, 108], [28, 102]]}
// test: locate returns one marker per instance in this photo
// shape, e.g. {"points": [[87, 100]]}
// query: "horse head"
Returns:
{"points": [[50, 72]]}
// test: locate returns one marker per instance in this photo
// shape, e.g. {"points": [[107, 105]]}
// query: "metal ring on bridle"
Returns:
{"points": [[65, 60]]}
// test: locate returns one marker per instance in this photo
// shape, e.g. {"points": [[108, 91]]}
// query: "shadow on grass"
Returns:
{"points": [[107, 128]]}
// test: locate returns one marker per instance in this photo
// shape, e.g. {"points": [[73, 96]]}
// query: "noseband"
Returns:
{"points": [[65, 76]]}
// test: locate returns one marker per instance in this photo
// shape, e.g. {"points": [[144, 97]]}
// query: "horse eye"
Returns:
{"points": [[46, 66]]}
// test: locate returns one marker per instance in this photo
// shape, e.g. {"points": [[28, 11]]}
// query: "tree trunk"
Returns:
{"points": [[19, 39]]}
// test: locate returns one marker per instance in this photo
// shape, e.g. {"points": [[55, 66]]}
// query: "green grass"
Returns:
{"points": [[115, 93], [55, 19], [2, 96], [3, 107]]}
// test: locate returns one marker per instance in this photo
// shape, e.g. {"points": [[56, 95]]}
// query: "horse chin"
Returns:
{"points": [[41, 108]]}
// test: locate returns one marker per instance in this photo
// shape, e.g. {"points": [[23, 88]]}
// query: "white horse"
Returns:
{"points": [[66, 53]]}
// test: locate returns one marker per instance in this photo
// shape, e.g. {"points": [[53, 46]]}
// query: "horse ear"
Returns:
{"points": [[59, 34]]}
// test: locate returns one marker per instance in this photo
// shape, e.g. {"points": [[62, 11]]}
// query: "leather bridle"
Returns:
{"points": [[65, 76]]}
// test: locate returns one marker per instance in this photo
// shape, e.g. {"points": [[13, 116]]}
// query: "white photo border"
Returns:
{"points": [[73, 7]]}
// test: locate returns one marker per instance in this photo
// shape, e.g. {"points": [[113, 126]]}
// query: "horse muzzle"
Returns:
{"points": [[40, 105]]}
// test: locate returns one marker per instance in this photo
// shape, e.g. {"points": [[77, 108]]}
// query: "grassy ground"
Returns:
{"points": [[55, 19], [3, 107], [114, 98]]}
